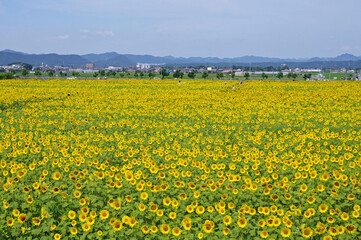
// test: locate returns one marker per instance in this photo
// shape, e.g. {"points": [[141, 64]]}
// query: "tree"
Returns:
{"points": [[102, 72], [289, 75], [13, 71], [151, 75], [75, 74], [121, 75], [294, 75], [246, 75], [51, 73], [95, 74], [135, 74], [205, 75], [128, 73], [192, 75], [176, 74], [307, 75], [264, 76], [181, 75], [37, 73], [164, 72], [108, 74], [61, 74], [141, 74], [219, 75], [24, 72], [279, 75], [233, 75]]}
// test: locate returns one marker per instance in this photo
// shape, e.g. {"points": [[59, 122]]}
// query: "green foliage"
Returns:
{"points": [[279, 75], [246, 75], [264, 76], [6, 76], [164, 73], [24, 72], [192, 75], [205, 74], [177, 74]]}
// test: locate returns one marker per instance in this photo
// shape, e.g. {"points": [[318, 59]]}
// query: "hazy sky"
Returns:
{"points": [[183, 28]]}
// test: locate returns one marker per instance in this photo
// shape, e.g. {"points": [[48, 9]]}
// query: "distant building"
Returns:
{"points": [[143, 65], [90, 65]]}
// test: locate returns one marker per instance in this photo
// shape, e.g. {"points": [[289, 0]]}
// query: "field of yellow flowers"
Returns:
{"points": [[152, 159]]}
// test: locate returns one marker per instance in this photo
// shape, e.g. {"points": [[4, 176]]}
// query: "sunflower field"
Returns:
{"points": [[153, 159]]}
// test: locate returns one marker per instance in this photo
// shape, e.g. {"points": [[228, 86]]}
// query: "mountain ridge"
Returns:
{"points": [[8, 56]]}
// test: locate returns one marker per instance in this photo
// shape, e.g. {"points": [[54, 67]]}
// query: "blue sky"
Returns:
{"points": [[183, 28]]}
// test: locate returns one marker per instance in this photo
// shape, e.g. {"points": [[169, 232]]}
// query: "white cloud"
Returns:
{"points": [[105, 33], [84, 31], [63, 37]]}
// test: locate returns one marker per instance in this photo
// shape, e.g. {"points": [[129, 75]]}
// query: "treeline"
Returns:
{"points": [[6, 76]]}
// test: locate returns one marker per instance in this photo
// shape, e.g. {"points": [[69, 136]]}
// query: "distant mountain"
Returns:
{"points": [[52, 59], [120, 60], [100, 57], [11, 51], [343, 57], [8, 56]]}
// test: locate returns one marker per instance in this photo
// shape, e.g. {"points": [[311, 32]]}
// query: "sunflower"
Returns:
{"points": [[57, 236], [167, 201], [86, 227], [350, 229], [225, 231], [176, 231], [340, 230], [36, 221], [90, 220], [132, 222], [29, 200], [227, 220], [144, 195], [141, 207], [327, 237], [200, 210], [153, 208], [264, 234], [307, 232], [104, 214], [73, 231], [71, 214], [189, 208], [145, 229], [261, 223], [77, 194], [10, 222], [16, 212], [82, 217], [117, 225], [285, 232], [323, 208], [330, 220], [22, 218], [160, 213], [164, 228], [332, 231], [172, 215], [351, 197], [154, 229], [344, 216]]}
